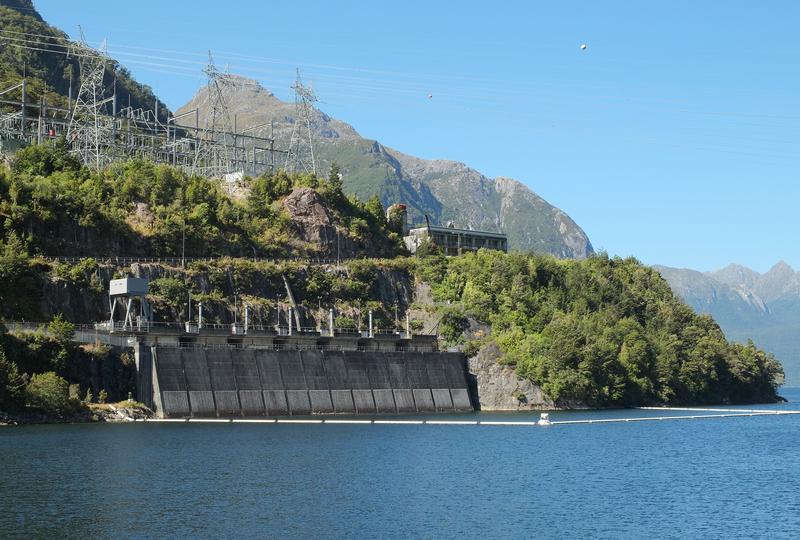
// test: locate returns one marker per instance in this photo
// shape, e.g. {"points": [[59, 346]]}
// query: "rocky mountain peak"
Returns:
{"points": [[250, 104], [781, 268], [736, 275], [779, 281]]}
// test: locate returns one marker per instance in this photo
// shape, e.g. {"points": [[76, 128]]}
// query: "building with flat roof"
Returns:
{"points": [[453, 241]]}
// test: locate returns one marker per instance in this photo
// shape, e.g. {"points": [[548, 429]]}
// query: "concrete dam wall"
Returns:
{"points": [[224, 382]]}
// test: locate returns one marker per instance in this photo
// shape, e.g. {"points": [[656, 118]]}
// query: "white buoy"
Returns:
{"points": [[544, 419]]}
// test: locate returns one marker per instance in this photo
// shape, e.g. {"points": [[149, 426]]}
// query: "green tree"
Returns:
{"points": [[12, 384], [49, 393], [374, 208], [335, 177], [452, 325], [61, 329], [45, 159]]}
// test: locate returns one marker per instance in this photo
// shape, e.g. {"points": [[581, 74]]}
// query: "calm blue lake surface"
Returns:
{"points": [[714, 478]]}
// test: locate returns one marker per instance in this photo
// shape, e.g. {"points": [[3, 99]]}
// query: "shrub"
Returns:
{"points": [[49, 393], [61, 329], [452, 325], [44, 160]]}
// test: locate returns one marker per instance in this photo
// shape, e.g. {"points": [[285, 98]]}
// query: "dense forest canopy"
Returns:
{"points": [[601, 331]]}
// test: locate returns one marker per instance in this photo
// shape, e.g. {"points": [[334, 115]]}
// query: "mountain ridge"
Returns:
{"points": [[445, 190]]}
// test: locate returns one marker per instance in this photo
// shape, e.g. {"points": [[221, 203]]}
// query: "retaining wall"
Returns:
{"points": [[226, 382]]}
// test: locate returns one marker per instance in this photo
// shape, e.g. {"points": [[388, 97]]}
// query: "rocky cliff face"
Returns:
{"points": [[499, 387], [444, 190]]}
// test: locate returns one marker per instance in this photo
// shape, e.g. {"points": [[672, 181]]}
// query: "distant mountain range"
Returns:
{"points": [[748, 305], [444, 190]]}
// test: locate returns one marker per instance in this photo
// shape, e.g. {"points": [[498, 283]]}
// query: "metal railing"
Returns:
{"points": [[294, 347], [181, 328], [30, 327], [177, 261]]}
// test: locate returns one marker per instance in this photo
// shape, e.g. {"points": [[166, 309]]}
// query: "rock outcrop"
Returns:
{"points": [[311, 219], [499, 386]]}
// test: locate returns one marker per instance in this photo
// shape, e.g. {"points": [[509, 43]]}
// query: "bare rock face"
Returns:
{"points": [[142, 217], [313, 222], [499, 387], [309, 214]]}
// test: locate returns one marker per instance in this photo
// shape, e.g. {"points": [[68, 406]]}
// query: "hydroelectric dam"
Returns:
{"points": [[197, 370], [258, 380]]}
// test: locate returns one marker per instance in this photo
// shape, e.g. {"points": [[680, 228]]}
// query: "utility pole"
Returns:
{"points": [[183, 245], [24, 99]]}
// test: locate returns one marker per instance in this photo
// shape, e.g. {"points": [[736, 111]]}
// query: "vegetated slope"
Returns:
{"points": [[444, 190], [602, 332], [748, 305], [28, 45], [50, 204]]}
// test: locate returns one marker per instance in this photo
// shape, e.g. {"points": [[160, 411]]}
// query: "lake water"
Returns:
{"points": [[713, 478]]}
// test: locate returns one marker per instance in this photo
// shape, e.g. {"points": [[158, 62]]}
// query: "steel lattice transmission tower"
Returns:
{"points": [[215, 154], [90, 129], [300, 156]]}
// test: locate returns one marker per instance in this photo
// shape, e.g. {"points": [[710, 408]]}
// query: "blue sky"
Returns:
{"points": [[675, 137]]}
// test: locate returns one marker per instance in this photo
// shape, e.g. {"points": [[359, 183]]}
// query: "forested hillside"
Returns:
{"points": [[604, 332], [52, 205], [748, 305]]}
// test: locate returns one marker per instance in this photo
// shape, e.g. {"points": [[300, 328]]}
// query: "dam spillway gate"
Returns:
{"points": [[251, 382]]}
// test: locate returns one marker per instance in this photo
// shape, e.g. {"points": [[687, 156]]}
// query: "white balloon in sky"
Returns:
{"points": [[584, 46]]}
